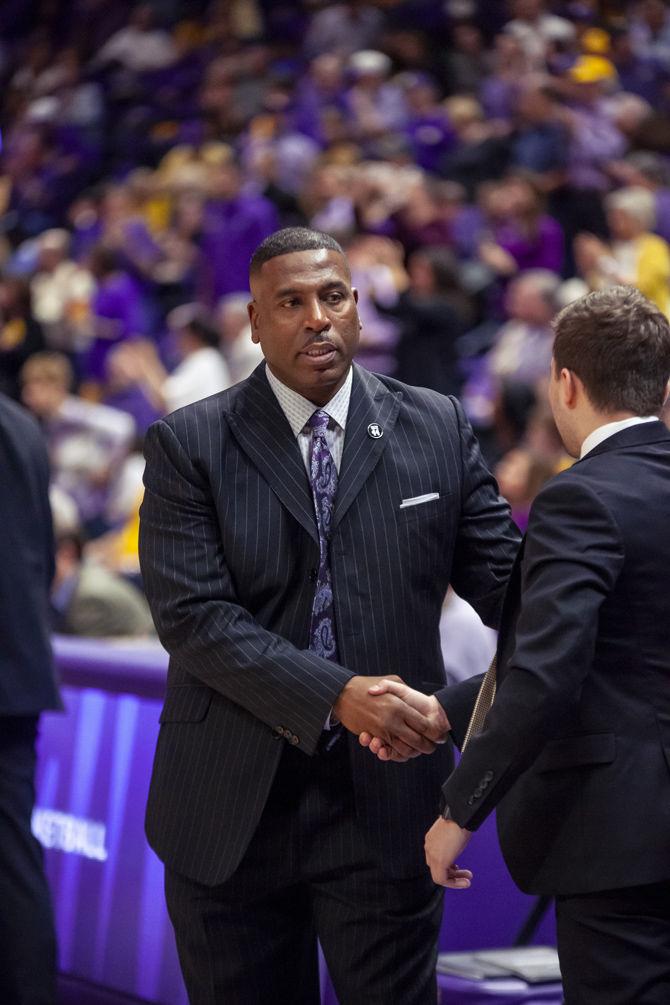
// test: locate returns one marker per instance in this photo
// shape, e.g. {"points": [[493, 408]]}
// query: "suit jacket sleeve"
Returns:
{"points": [[196, 612], [487, 539], [572, 559]]}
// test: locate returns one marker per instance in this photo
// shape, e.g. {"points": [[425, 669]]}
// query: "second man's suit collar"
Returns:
{"points": [[608, 429], [631, 436]]}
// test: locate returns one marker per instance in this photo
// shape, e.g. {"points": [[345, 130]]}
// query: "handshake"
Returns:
{"points": [[396, 723], [393, 720]]}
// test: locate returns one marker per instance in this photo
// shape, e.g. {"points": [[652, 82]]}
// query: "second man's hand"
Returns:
{"points": [[427, 705], [384, 714]]}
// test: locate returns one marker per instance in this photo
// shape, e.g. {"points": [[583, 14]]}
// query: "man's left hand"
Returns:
{"points": [[444, 843]]}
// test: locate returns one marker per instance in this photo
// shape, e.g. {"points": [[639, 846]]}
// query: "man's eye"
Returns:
{"points": [[334, 298]]}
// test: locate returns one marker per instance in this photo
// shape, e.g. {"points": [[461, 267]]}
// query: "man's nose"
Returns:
{"points": [[316, 318]]}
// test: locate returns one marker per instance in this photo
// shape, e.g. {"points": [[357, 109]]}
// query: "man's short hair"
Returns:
{"points": [[288, 240], [618, 343]]}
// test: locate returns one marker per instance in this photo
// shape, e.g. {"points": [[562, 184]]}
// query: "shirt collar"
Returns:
{"points": [[602, 433], [299, 410]]}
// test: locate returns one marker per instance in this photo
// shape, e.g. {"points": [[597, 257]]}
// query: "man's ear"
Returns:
{"points": [[571, 387], [252, 311]]}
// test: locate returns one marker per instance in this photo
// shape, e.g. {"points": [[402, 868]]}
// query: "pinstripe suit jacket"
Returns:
{"points": [[229, 549]]}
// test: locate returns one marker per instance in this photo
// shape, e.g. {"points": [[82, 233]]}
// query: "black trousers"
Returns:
{"points": [[307, 874], [27, 940], [614, 946]]}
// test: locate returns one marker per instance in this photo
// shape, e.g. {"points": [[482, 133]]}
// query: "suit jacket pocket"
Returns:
{"points": [[577, 752], [424, 510], [186, 704]]}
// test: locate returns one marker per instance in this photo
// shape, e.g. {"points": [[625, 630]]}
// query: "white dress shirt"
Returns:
{"points": [[299, 410], [609, 429]]}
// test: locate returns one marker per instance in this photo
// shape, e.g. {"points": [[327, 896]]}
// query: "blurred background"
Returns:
{"points": [[483, 164]]}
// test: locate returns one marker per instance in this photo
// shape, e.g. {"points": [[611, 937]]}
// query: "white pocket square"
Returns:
{"points": [[417, 500]]}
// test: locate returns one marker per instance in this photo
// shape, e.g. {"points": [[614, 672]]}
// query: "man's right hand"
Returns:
{"points": [[426, 705], [386, 716]]}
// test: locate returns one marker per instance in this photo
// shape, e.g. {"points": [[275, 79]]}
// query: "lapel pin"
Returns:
{"points": [[375, 431]]}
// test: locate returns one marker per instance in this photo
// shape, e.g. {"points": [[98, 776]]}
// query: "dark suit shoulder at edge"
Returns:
{"points": [[12, 413]]}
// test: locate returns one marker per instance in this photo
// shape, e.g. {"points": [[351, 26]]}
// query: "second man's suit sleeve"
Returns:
{"points": [[572, 559]]}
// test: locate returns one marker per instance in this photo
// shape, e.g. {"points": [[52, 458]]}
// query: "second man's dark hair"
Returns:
{"points": [[618, 343]]}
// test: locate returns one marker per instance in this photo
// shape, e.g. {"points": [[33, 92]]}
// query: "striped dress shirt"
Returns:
{"points": [[299, 410]]}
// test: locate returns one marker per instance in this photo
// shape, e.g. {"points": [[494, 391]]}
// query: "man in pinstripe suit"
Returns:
{"points": [[274, 825]]}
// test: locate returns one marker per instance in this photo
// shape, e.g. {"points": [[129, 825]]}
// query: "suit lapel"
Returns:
{"points": [[264, 434], [371, 403]]}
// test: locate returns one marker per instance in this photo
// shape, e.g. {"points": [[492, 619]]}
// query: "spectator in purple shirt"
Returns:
{"points": [[233, 226], [321, 87], [428, 130], [527, 238], [117, 308], [639, 72], [509, 66]]}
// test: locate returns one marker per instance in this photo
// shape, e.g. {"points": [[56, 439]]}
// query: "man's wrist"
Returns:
{"points": [[445, 809], [445, 812], [441, 717]]}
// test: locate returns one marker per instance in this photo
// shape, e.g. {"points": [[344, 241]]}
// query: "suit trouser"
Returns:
{"points": [[308, 873], [27, 940], [614, 946]]}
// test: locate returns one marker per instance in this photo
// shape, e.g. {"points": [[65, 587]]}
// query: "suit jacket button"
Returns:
{"points": [[478, 792], [471, 800], [313, 575], [295, 740], [488, 775]]}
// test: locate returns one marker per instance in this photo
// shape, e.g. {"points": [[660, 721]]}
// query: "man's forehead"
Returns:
{"points": [[303, 268]]}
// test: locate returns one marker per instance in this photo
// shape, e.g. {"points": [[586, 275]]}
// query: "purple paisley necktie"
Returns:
{"points": [[323, 479]]}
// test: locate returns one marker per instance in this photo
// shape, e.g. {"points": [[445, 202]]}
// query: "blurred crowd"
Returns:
{"points": [[483, 164]]}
